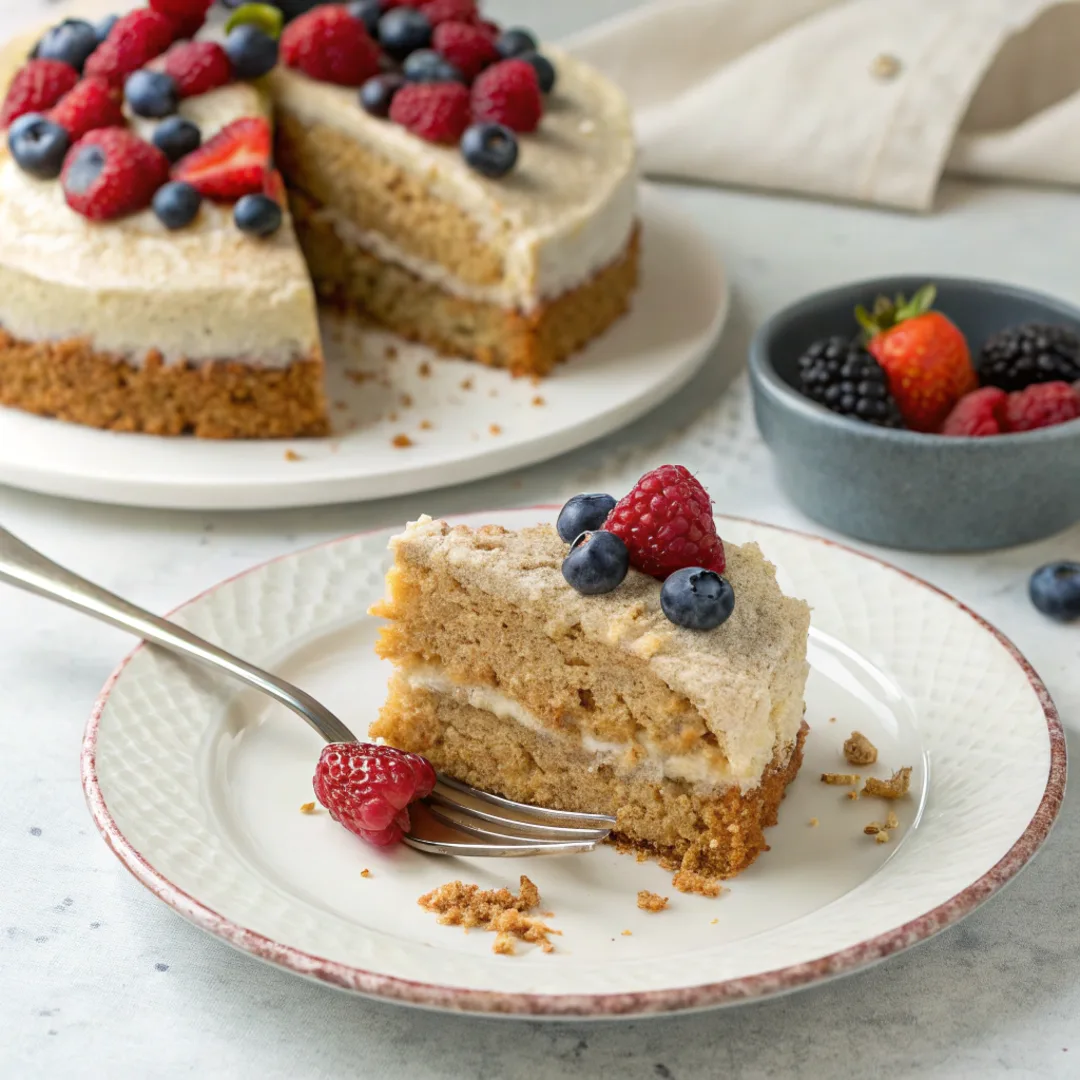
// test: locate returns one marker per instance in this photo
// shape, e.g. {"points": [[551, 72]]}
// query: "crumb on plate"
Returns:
{"points": [[401, 442], [896, 787], [859, 750], [650, 901], [844, 778], [292, 455], [495, 429], [424, 370], [308, 808], [813, 823], [690, 881]]}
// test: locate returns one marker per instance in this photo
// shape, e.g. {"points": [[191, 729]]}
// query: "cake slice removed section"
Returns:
{"points": [[508, 679]]}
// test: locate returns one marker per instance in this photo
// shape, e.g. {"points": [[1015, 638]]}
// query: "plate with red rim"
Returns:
{"points": [[196, 784], [404, 419]]}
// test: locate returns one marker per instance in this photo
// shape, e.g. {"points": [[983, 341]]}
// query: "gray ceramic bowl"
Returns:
{"points": [[900, 488]]}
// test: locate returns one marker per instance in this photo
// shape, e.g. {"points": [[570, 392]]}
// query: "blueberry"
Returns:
{"points": [[176, 204], [544, 68], [1055, 590], [697, 599], [403, 30], [38, 146], [152, 93], [104, 28], [368, 12], [71, 41], [258, 215], [377, 93], [251, 51], [515, 42], [176, 137], [426, 65], [583, 513], [597, 563]]}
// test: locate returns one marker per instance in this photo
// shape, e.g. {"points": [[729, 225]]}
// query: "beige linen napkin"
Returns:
{"points": [[864, 100]]}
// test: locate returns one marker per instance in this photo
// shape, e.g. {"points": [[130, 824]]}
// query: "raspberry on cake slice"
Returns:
{"points": [[601, 700]]}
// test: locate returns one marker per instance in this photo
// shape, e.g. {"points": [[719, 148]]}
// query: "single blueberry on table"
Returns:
{"points": [[152, 93], [697, 599], [71, 42], [490, 149], [514, 42], [251, 51], [583, 513], [598, 563], [377, 93], [258, 215], [177, 205], [38, 146], [176, 137], [1055, 590], [403, 30]]}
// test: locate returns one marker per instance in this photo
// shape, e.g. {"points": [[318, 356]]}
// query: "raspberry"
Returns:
{"points": [[441, 11], [328, 44], [508, 93], [666, 521], [111, 172], [468, 48], [197, 67], [368, 788], [91, 104], [134, 40], [977, 413], [438, 112], [232, 164], [1041, 405], [187, 16], [36, 87]]}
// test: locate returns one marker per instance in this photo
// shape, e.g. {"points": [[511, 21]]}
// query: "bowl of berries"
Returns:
{"points": [[938, 416]]}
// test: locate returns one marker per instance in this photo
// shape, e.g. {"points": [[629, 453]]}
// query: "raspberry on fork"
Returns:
{"points": [[37, 86], [667, 523], [508, 93]]}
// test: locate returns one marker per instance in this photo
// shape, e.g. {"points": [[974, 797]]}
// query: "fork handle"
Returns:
{"points": [[25, 568]]}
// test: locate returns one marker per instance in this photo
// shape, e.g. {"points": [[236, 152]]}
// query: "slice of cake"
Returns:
{"points": [[510, 680]]}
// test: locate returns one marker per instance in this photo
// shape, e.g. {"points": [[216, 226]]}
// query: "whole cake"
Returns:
{"points": [[510, 678], [157, 170]]}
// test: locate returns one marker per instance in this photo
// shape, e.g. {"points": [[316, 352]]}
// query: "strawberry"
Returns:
{"points": [[925, 356], [91, 104], [37, 86], [111, 172], [197, 67], [232, 164]]}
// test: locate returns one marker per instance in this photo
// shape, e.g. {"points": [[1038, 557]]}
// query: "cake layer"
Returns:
{"points": [[72, 381], [435, 312]]}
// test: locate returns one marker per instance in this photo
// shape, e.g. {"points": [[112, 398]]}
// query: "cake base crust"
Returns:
{"points": [[221, 399]]}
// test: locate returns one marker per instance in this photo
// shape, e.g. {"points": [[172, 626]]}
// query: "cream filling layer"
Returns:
{"points": [[643, 758]]}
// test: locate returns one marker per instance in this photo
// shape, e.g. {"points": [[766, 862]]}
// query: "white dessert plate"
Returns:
{"points": [[463, 421], [197, 787]]}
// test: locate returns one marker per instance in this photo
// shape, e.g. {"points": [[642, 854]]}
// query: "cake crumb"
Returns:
{"points": [[873, 828], [896, 787], [859, 750], [497, 910], [392, 417], [424, 370], [366, 873], [853, 794], [340, 405], [813, 823], [832, 719], [401, 442], [891, 820], [292, 455], [713, 922], [391, 352], [538, 401], [467, 384], [406, 401], [495, 429], [358, 377], [690, 881], [426, 425], [843, 778], [650, 901], [308, 808], [628, 933], [882, 837]]}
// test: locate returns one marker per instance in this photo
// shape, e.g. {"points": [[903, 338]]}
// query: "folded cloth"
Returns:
{"points": [[863, 100]]}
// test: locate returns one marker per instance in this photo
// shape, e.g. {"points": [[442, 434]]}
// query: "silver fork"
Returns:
{"points": [[454, 819]]}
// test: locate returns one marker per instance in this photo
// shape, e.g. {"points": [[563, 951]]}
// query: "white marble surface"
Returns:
{"points": [[97, 979]]}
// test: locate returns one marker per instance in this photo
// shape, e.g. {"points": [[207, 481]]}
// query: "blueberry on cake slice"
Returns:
{"points": [[563, 675]]}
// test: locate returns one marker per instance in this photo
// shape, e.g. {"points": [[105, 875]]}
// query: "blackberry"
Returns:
{"points": [[1033, 353], [841, 375]]}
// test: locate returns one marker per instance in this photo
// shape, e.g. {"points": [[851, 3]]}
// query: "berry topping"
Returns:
{"points": [[38, 145], [508, 93], [152, 93], [176, 205], [924, 356], [104, 28], [444, 11], [468, 48], [368, 12], [426, 65], [598, 563], [89, 105], [251, 51], [258, 215], [232, 164], [328, 44], [697, 599], [583, 513], [187, 16], [403, 30], [490, 149], [544, 68], [511, 43], [269, 18], [844, 377], [112, 172], [667, 524], [197, 67], [368, 788], [438, 112], [177, 137], [376, 94], [1041, 405], [1022, 355], [1055, 590], [135, 39], [978, 413], [70, 42], [38, 86], [274, 186]]}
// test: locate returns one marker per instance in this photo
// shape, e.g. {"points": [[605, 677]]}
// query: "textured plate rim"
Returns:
{"points": [[595, 1006]]}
